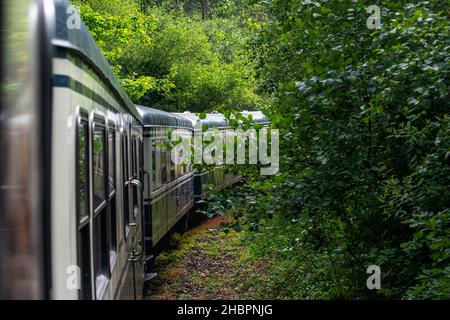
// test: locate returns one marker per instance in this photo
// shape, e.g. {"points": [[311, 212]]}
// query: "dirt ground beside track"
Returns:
{"points": [[207, 262]]}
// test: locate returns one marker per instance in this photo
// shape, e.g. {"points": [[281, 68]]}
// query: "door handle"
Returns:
{"points": [[136, 183], [135, 256]]}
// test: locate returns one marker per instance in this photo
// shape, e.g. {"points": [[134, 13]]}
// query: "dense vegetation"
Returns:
{"points": [[364, 121], [174, 59]]}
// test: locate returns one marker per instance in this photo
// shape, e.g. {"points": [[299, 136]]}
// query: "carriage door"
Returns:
{"points": [[136, 197]]}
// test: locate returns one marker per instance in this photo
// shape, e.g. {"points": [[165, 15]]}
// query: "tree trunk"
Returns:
{"points": [[144, 5], [204, 4], [187, 8]]}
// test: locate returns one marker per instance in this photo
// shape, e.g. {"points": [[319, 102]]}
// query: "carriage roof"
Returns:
{"points": [[217, 120], [154, 117], [80, 42], [257, 116], [212, 120]]}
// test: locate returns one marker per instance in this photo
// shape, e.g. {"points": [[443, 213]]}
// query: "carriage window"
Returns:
{"points": [[133, 157], [112, 217], [134, 191], [111, 160], [98, 148], [163, 168], [100, 231], [125, 155], [101, 251], [83, 170], [84, 252], [181, 168], [112, 226], [126, 203], [172, 169], [84, 261], [153, 173]]}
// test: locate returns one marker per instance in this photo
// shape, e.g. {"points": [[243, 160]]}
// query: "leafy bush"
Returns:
{"points": [[364, 119]]}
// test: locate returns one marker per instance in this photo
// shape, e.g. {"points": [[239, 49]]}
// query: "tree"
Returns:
{"points": [[205, 7], [168, 61]]}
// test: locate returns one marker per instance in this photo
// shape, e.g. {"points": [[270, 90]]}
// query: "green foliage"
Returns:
{"points": [[172, 62], [364, 120], [117, 26]]}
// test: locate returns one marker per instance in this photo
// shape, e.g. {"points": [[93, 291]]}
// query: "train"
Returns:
{"points": [[86, 194]]}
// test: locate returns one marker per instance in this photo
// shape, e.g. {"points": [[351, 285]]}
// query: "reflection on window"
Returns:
{"points": [[133, 157], [83, 170], [180, 165], [111, 160], [172, 170], [163, 157], [101, 252], [84, 261], [153, 173], [83, 249], [99, 165], [125, 155], [112, 226], [126, 208], [112, 218]]}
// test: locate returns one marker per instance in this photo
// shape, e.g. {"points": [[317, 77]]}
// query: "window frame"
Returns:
{"points": [[112, 129], [112, 194], [126, 176], [83, 225], [100, 240], [101, 123]]}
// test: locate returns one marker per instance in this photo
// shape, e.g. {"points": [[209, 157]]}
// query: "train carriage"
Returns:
{"points": [[256, 117], [86, 137], [93, 118], [168, 187], [217, 177], [85, 191]]}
